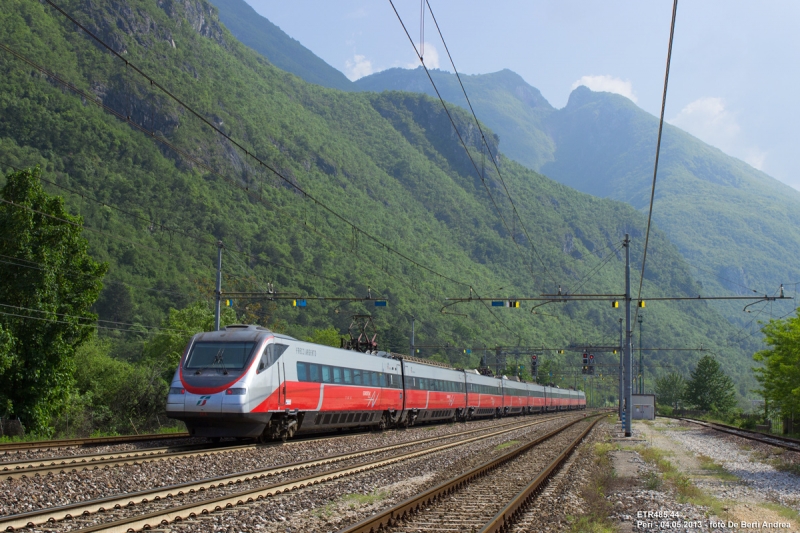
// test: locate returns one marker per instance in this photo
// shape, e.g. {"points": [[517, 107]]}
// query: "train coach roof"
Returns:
{"points": [[239, 332]]}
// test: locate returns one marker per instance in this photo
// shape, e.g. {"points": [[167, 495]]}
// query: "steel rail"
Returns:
{"points": [[82, 466], [511, 512], [29, 466], [394, 515], [82, 463], [52, 514], [784, 442], [93, 441], [191, 510]]}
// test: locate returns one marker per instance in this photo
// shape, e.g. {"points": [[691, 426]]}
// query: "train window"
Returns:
{"points": [[313, 372], [357, 376], [271, 354], [337, 375], [302, 372], [223, 356], [348, 375], [376, 379], [327, 375]]}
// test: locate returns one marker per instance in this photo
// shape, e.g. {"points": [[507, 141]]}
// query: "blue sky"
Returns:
{"points": [[733, 80]]}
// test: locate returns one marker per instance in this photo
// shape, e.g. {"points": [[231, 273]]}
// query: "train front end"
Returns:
{"points": [[214, 390]]}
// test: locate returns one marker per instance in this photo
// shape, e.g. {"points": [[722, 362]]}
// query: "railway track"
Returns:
{"points": [[78, 463], [47, 445], [148, 509], [773, 440], [488, 498]]}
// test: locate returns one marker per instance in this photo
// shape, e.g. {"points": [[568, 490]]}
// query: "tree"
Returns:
{"points": [[328, 337], [780, 375], [165, 349], [670, 389], [49, 285], [709, 388]]}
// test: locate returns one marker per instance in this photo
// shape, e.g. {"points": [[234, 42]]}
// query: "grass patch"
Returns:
{"points": [[714, 469], [505, 445], [653, 481], [785, 466], [585, 524], [594, 494], [687, 491], [672, 428], [352, 501], [786, 512]]}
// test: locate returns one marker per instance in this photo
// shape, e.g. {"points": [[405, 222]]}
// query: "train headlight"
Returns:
{"points": [[177, 390], [236, 392]]}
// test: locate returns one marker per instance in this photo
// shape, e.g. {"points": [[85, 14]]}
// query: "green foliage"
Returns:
{"points": [[165, 348], [51, 301], [111, 396], [709, 388], [779, 376], [670, 390], [388, 162], [328, 337], [602, 144]]}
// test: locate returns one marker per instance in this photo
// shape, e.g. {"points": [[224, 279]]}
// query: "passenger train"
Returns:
{"points": [[249, 382]]}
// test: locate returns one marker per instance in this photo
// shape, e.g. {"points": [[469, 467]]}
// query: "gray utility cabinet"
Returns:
{"points": [[644, 406]]}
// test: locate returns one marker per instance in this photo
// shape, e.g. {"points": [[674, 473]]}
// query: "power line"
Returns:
{"points": [[40, 266], [72, 223], [357, 230], [63, 315], [483, 138], [290, 182], [460, 137], [658, 151], [199, 163], [133, 215]]}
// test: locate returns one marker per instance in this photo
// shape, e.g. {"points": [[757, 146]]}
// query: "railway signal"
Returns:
{"points": [[534, 365], [505, 303]]}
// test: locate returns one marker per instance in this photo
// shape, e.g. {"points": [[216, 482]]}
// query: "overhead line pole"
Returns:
{"points": [[218, 292], [627, 364], [621, 373]]}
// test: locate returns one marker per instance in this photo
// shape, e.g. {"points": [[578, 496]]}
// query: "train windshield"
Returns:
{"points": [[223, 356]]}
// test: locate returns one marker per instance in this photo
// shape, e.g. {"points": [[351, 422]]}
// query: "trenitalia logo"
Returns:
{"points": [[203, 400]]}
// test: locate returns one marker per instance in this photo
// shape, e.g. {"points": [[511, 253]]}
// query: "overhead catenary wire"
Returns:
{"points": [[91, 321], [132, 68], [196, 238], [658, 151], [201, 164], [481, 176], [82, 226], [492, 157], [291, 183]]}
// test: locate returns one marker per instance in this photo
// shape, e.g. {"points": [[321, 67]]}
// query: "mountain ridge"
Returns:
{"points": [[604, 145], [389, 163]]}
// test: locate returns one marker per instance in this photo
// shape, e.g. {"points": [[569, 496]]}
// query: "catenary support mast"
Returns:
{"points": [[628, 333], [218, 292]]}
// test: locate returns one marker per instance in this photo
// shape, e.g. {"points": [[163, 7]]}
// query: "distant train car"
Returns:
{"points": [[246, 381]]}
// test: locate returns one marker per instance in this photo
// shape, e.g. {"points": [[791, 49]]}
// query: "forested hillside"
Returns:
{"points": [[737, 226], [270, 41], [390, 163]]}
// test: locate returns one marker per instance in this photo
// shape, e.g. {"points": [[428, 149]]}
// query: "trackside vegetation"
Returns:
{"points": [[389, 163]]}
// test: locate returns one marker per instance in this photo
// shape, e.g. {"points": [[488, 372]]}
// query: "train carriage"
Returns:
{"points": [[246, 381], [433, 393], [515, 396], [484, 395]]}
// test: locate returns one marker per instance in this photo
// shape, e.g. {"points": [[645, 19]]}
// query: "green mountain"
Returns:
{"points": [[270, 41], [158, 188], [737, 226]]}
